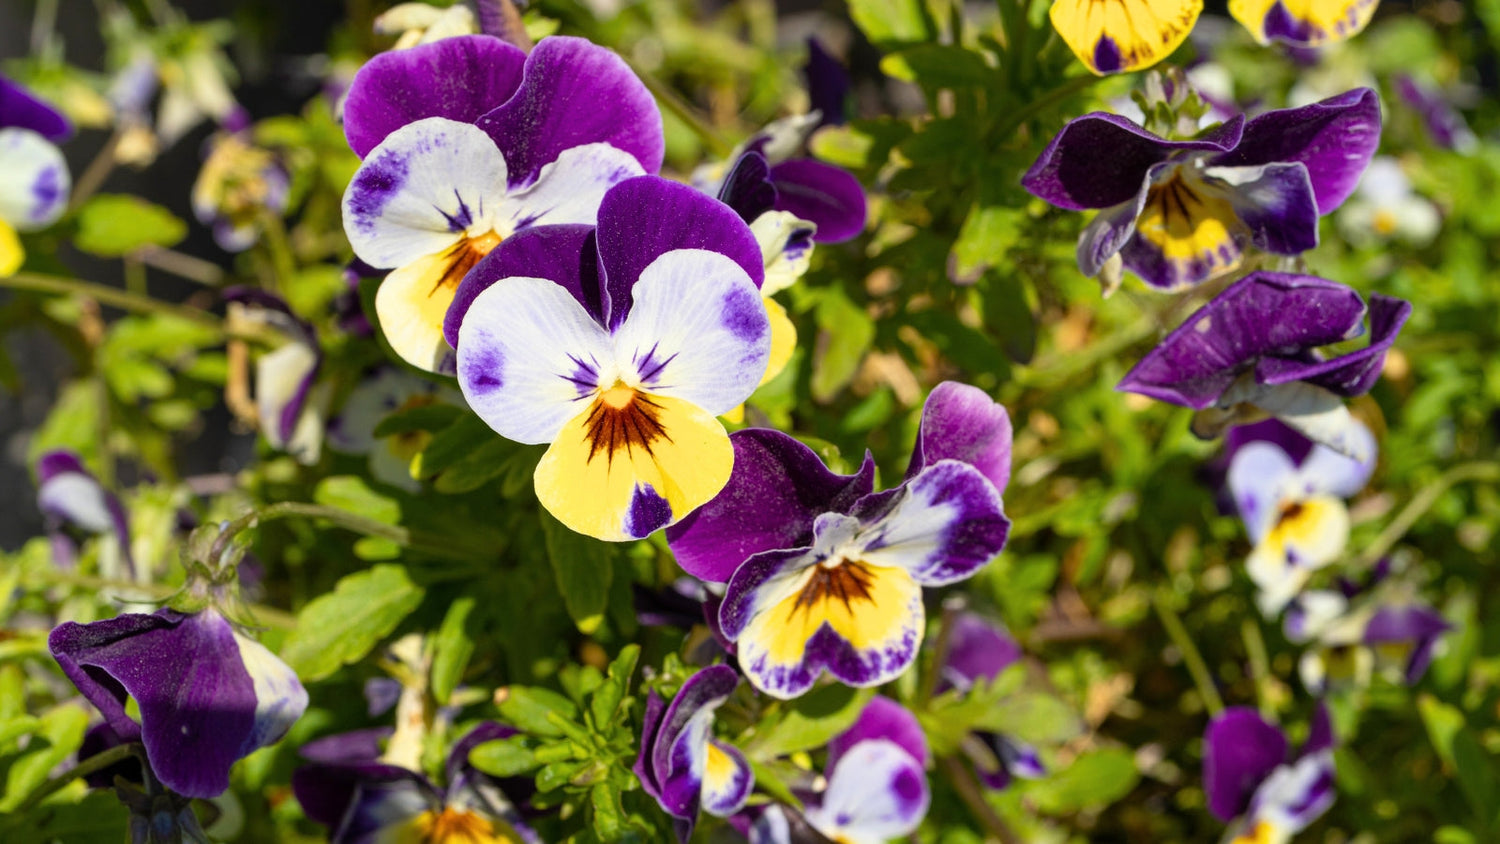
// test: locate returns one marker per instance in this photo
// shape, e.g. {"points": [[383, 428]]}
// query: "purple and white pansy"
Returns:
{"points": [[34, 180], [978, 652], [362, 799], [1253, 350], [825, 573], [467, 141], [208, 696], [681, 764], [1290, 494], [68, 494], [1179, 213], [288, 402], [1254, 782], [618, 345]]}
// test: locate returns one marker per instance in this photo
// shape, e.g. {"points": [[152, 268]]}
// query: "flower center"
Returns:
{"points": [[1384, 223], [836, 579], [461, 257], [455, 826], [623, 418]]}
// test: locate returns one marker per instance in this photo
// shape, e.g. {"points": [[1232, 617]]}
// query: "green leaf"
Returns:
{"points": [[452, 648], [508, 757], [350, 492], [1443, 723], [477, 468], [937, 66], [342, 626], [1008, 317], [845, 146], [606, 700], [452, 444], [112, 225], [1476, 774], [527, 706], [96, 819], [1093, 780], [13, 728], [846, 334], [583, 567], [609, 815], [423, 417], [887, 22], [58, 737], [987, 234], [811, 721]]}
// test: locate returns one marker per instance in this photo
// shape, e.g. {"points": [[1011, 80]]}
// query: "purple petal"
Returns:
{"points": [[882, 718], [963, 423], [102, 737], [1273, 431], [354, 746], [24, 110], [327, 791], [574, 92], [384, 803], [748, 188], [879, 793], [777, 489], [666, 763], [1335, 139], [1241, 750], [827, 83], [461, 78], [1352, 374], [723, 797], [1110, 230], [941, 526], [825, 195], [1320, 731], [1276, 203], [1100, 159], [1445, 124], [563, 254], [643, 218], [197, 701], [645, 762], [977, 650], [1412, 624], [1263, 314]]}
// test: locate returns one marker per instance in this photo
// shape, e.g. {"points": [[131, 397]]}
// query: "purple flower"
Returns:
{"points": [[827, 83], [67, 493], [467, 141], [1181, 212], [289, 406], [824, 573], [21, 109], [35, 182], [979, 651], [1257, 785], [681, 764], [207, 695], [1445, 125], [1253, 348], [1377, 626], [362, 800]]}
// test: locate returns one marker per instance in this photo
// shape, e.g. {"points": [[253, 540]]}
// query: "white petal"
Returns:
{"points": [[569, 189], [786, 246], [1317, 414], [280, 698], [34, 180], [1260, 475], [876, 793]]}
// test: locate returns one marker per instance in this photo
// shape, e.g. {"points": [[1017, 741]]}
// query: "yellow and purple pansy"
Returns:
{"points": [[825, 574], [1256, 785], [1179, 213], [34, 180], [207, 695], [1119, 36], [1290, 494], [1303, 23], [1253, 351], [70, 496], [618, 345], [363, 800], [681, 764], [468, 140]]}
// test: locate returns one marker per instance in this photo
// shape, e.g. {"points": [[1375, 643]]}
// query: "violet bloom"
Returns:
{"points": [[467, 141], [979, 651], [362, 800], [1179, 213], [1290, 493], [1257, 785], [681, 764], [67, 493], [1253, 349], [207, 695], [1445, 125], [34, 180], [1358, 631], [287, 402], [823, 572]]}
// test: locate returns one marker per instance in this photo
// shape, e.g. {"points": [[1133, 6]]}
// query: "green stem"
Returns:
{"points": [[181, 265], [939, 653], [275, 238], [98, 170], [1190, 655], [1421, 503], [1044, 102], [684, 112], [1260, 664], [969, 791], [112, 296], [271, 616], [417, 541], [93, 764]]}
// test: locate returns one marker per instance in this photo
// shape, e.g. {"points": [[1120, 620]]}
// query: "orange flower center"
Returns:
{"points": [[455, 826], [623, 418], [462, 256], [843, 581]]}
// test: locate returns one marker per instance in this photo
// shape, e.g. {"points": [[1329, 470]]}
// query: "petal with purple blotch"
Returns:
{"points": [[1295, 795], [877, 792], [1110, 230], [1260, 476], [1274, 202], [1303, 23], [34, 183], [944, 525], [68, 492]]}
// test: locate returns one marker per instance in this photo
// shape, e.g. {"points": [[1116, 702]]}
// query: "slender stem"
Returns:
{"points": [[1260, 664], [969, 791], [686, 113], [181, 265], [435, 545], [939, 654], [1046, 101], [1190, 655], [98, 170], [112, 296], [98, 762], [282, 260], [1421, 503]]}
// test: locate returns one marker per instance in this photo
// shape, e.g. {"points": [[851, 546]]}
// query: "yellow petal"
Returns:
{"points": [[11, 253], [783, 339], [632, 463], [413, 301], [1193, 228], [1308, 23], [1118, 36]]}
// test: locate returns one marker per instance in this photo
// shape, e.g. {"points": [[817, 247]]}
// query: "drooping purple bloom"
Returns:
{"points": [[1255, 347], [1181, 212], [1255, 784], [824, 573], [979, 651], [363, 800], [208, 696], [681, 764], [67, 493], [827, 83]]}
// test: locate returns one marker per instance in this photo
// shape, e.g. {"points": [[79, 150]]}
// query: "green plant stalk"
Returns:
{"points": [[968, 790], [415, 540], [684, 112], [1202, 678], [1260, 664], [939, 653], [91, 765], [270, 616], [1039, 105], [112, 296], [1421, 503]]}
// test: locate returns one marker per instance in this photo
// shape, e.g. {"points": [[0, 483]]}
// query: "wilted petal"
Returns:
{"points": [[34, 182], [963, 423], [1124, 35], [1347, 375], [1303, 23], [878, 792], [1240, 750]]}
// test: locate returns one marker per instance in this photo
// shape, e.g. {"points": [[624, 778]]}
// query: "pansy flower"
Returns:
{"points": [[68, 494], [1254, 349], [381, 392], [1119, 36], [1290, 493], [1303, 23], [978, 652], [618, 346], [34, 181], [1181, 212], [681, 764], [467, 141], [1255, 783], [1357, 631], [238, 184], [824, 573], [364, 800], [207, 695], [1445, 124], [288, 405], [1385, 207]]}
